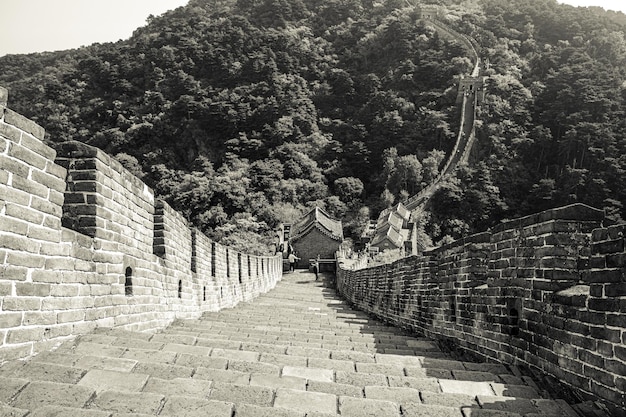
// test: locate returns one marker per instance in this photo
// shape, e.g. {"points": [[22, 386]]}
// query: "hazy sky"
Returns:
{"points": [[619, 5], [50, 25]]}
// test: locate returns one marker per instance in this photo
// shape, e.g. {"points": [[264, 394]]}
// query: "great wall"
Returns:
{"points": [[115, 306], [471, 92], [85, 244], [545, 291]]}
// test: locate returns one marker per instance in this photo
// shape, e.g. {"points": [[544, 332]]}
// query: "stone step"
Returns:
{"points": [[276, 356]]}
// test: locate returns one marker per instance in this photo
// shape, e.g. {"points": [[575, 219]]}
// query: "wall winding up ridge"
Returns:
{"points": [[547, 292], [470, 93], [85, 244]]}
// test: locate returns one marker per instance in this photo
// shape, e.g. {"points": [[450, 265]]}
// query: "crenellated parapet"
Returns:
{"points": [[470, 94], [85, 244], [429, 11], [545, 292], [471, 87]]}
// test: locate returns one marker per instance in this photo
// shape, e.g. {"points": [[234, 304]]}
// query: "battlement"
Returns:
{"points": [[85, 244], [471, 87], [429, 11], [544, 292]]}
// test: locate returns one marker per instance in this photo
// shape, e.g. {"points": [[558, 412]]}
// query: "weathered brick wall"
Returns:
{"points": [[84, 244], [597, 316], [312, 244], [547, 291]]}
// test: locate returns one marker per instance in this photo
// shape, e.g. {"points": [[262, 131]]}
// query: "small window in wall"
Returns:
{"points": [[180, 288], [453, 309], [128, 282], [193, 250], [227, 263], [514, 309], [249, 268], [212, 259], [204, 293], [514, 322], [239, 267]]}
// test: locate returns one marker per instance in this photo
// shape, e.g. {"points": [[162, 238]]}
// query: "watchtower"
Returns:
{"points": [[470, 86], [429, 11]]}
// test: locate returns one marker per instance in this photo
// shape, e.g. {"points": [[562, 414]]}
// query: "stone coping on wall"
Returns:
{"points": [[554, 301], [58, 282], [575, 211]]}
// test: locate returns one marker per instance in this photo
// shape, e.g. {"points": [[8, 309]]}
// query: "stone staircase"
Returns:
{"points": [[297, 351]]}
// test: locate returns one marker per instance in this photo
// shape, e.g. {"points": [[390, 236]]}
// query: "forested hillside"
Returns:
{"points": [[243, 113]]}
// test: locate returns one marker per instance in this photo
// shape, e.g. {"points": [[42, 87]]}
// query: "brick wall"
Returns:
{"points": [[312, 244], [85, 244], [546, 292]]}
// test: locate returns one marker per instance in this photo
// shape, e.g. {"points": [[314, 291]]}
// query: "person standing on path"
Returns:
{"points": [[316, 267], [292, 261]]}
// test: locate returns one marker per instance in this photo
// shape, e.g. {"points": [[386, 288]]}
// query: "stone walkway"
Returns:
{"points": [[297, 351]]}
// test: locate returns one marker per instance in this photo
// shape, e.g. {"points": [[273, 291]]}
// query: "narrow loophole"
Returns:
{"points": [[128, 282]]}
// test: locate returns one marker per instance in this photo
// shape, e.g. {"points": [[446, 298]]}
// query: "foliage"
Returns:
{"points": [[244, 113]]}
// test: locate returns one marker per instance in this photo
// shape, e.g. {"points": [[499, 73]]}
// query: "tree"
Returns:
{"points": [[349, 190]]}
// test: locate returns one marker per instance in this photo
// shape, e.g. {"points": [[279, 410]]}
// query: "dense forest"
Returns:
{"points": [[245, 113]]}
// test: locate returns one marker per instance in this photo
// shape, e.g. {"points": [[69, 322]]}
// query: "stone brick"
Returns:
{"points": [[335, 389], [70, 316], [253, 367], [127, 402], [379, 368], [180, 406], [194, 350], [43, 234], [400, 395], [164, 371], [220, 375], [355, 407], [106, 363], [603, 304], [602, 376], [21, 303], [27, 156], [14, 274], [360, 379], [235, 354], [315, 374], [22, 123], [7, 131], [28, 289], [242, 394], [509, 404], [16, 226], [22, 335], [8, 320], [38, 394], [30, 187], [306, 401], [179, 386], [25, 259], [448, 399], [19, 243], [615, 290], [16, 167], [57, 411]]}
